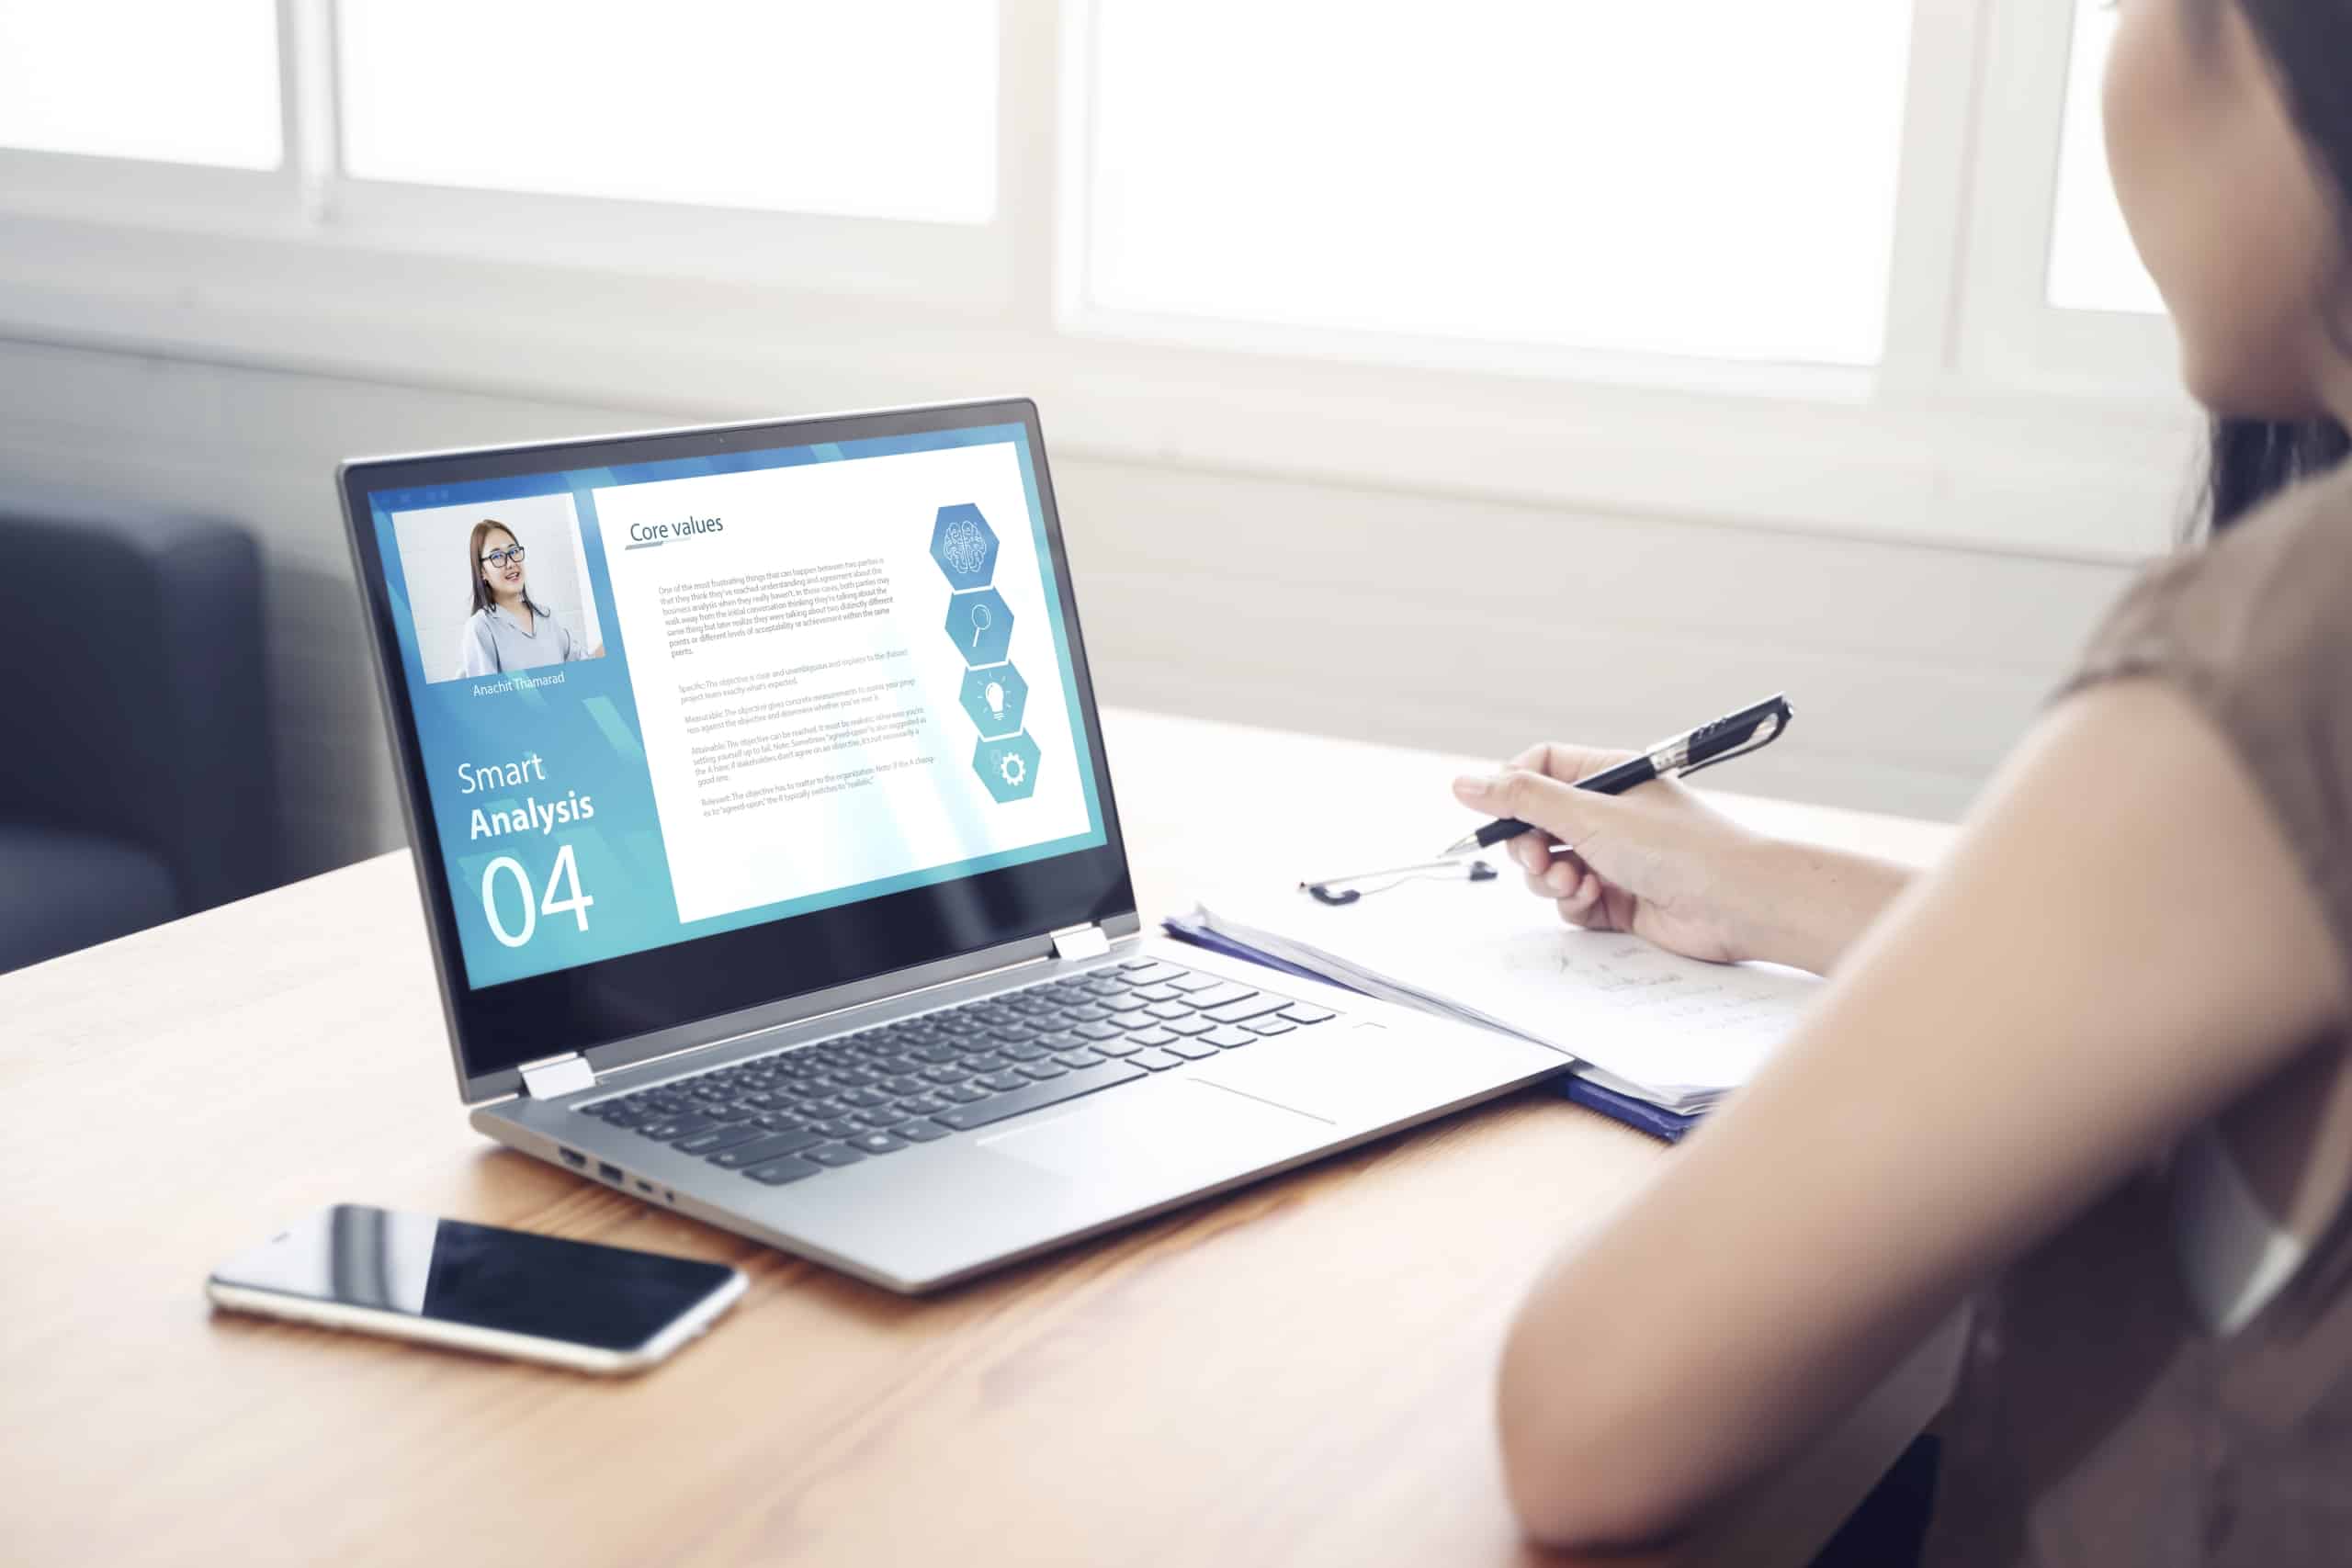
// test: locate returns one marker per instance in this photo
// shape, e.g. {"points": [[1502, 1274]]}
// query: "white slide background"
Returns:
{"points": [[909, 820]]}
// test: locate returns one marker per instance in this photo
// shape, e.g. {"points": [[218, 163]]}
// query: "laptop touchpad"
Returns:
{"points": [[1363, 1073], [1202, 1132]]}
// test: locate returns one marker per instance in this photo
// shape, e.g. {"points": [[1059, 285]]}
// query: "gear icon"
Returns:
{"points": [[1007, 767]]}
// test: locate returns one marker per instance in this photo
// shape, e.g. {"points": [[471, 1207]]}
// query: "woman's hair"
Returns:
{"points": [[2309, 43], [483, 599]]}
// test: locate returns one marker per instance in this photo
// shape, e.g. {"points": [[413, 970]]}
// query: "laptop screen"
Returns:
{"points": [[660, 700]]}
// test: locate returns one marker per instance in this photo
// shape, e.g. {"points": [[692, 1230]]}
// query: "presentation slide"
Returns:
{"points": [[677, 698], [824, 702]]}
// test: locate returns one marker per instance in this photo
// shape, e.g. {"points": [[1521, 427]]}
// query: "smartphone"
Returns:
{"points": [[533, 1298]]}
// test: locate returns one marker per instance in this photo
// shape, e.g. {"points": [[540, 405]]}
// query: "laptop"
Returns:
{"points": [[771, 863]]}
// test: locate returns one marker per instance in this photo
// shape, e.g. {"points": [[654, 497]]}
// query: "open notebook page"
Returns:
{"points": [[1675, 1030]]}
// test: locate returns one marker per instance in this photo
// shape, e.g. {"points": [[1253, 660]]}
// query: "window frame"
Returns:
{"points": [[95, 187], [2015, 337], [82, 186], [1993, 421], [965, 264]]}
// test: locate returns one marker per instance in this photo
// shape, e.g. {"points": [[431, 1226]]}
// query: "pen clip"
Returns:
{"points": [[1767, 730]]}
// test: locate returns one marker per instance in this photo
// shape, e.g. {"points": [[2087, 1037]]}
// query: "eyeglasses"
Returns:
{"points": [[513, 555]]}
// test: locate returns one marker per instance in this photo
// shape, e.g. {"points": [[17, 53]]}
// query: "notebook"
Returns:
{"points": [[1637, 1021]]}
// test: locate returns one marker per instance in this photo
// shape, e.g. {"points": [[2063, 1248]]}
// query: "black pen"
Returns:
{"points": [[1736, 734]]}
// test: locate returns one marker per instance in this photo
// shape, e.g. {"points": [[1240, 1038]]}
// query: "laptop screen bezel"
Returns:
{"points": [[625, 1009]]}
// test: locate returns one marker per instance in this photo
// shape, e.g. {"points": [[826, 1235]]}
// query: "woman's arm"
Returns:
{"points": [[2119, 944], [480, 652], [1828, 898], [572, 649]]}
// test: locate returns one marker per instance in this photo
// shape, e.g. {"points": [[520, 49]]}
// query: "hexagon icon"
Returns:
{"points": [[981, 625], [1009, 767], [995, 697], [965, 546]]}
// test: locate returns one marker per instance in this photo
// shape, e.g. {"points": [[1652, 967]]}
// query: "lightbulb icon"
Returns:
{"points": [[995, 694]]}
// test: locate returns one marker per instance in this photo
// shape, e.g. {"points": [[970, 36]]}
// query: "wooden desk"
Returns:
{"points": [[1299, 1374]]}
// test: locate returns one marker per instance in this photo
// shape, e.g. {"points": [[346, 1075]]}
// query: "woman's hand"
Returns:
{"points": [[1661, 863]]}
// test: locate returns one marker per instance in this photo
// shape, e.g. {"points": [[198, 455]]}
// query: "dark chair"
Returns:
{"points": [[136, 779]]}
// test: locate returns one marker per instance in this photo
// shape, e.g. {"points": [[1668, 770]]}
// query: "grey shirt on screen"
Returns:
{"points": [[496, 642]]}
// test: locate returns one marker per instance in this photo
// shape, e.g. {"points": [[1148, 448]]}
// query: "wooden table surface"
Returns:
{"points": [[1298, 1374]]}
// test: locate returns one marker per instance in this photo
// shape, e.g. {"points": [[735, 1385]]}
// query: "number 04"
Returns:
{"points": [[565, 874]]}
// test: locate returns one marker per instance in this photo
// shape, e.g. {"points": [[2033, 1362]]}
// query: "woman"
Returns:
{"points": [[508, 629], [2104, 1042]]}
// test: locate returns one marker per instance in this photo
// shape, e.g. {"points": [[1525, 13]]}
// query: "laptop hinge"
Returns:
{"points": [[1088, 940], [567, 1074]]}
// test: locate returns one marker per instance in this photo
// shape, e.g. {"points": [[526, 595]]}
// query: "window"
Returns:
{"points": [[2092, 264], [1865, 247], [883, 110], [1710, 177], [155, 79]]}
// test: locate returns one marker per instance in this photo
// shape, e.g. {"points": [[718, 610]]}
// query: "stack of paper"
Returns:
{"points": [[1668, 1029]]}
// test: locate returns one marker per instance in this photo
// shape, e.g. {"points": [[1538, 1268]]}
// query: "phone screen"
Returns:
{"points": [[449, 1271]]}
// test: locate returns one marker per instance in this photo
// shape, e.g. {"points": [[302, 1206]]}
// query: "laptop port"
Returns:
{"points": [[645, 1187], [573, 1158], [611, 1173]]}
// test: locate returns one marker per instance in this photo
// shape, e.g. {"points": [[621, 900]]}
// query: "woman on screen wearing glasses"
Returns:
{"points": [[508, 629], [2090, 1070]]}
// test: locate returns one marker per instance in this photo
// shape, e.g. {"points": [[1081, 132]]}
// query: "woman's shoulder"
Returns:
{"points": [[2269, 599], [2306, 526], [2255, 627]]}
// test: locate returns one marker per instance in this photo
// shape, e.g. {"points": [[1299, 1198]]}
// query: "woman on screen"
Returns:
{"points": [[509, 630]]}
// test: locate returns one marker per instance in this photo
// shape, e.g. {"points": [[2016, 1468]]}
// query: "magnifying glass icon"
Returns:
{"points": [[981, 622]]}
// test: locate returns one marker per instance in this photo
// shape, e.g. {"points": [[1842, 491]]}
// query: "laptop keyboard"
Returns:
{"points": [[795, 1114]]}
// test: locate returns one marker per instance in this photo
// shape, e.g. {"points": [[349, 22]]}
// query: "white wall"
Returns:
{"points": [[1470, 626]]}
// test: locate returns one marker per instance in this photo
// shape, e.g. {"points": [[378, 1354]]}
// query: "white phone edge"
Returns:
{"points": [[488, 1341]]}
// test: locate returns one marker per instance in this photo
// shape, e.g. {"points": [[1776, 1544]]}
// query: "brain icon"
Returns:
{"points": [[965, 549]]}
